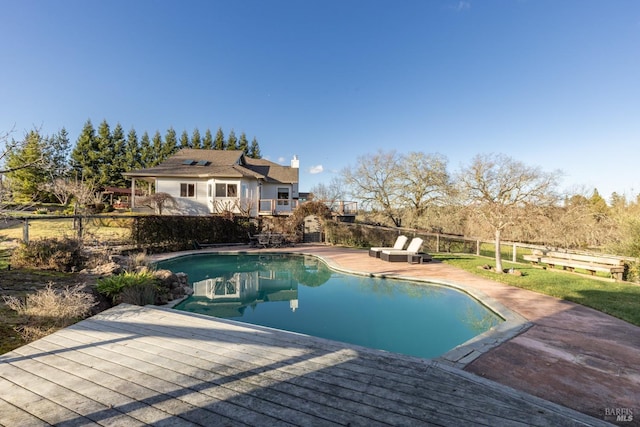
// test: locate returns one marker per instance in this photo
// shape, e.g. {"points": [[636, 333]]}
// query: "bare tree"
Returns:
{"points": [[399, 185], [157, 201], [502, 192], [375, 180], [425, 182], [62, 189], [330, 194]]}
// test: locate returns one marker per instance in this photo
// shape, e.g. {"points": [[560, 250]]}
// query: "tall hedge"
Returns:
{"points": [[163, 232]]}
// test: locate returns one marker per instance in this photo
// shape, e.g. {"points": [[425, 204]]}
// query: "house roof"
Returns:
{"points": [[203, 163]]}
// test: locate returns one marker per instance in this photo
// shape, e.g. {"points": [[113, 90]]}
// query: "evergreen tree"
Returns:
{"points": [[115, 162], [218, 143], [60, 149], [103, 155], [243, 143], [146, 151], [254, 149], [207, 142], [232, 142], [184, 140], [196, 140], [84, 156], [170, 144], [132, 152], [598, 206], [157, 144], [25, 181]]}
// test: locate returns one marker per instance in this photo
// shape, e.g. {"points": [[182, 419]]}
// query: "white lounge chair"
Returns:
{"points": [[398, 245], [412, 254]]}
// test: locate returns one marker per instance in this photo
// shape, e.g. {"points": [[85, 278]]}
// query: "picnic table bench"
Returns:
{"points": [[570, 261]]}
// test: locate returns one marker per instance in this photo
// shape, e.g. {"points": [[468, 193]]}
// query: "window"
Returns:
{"points": [[226, 190], [187, 190], [283, 196]]}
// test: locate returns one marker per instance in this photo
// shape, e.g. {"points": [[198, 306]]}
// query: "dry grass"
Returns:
{"points": [[49, 310], [103, 230]]}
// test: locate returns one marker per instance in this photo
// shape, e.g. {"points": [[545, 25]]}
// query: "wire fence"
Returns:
{"points": [[375, 235], [107, 229]]}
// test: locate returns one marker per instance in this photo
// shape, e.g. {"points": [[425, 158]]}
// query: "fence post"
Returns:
{"points": [[25, 231], [477, 247], [514, 252], [80, 231], [437, 242]]}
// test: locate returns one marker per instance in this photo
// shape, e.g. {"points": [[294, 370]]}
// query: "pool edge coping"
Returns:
{"points": [[460, 356]]}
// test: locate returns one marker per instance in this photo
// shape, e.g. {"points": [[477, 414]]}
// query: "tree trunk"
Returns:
{"points": [[498, 254]]}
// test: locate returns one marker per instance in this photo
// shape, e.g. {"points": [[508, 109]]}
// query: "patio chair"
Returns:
{"points": [[412, 254], [276, 240], [263, 240], [398, 245]]}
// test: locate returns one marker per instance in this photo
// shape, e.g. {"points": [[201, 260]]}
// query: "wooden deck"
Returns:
{"points": [[143, 365]]}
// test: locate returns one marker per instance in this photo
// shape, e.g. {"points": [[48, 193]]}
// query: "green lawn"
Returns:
{"points": [[619, 299]]}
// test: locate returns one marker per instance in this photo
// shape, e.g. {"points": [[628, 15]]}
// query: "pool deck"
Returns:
{"points": [[147, 365]]}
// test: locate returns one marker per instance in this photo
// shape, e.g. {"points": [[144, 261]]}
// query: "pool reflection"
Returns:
{"points": [[230, 296], [272, 279]]}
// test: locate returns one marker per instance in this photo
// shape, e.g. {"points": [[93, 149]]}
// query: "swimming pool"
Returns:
{"points": [[300, 293]]}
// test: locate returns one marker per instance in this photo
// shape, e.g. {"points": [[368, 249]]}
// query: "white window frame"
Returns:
{"points": [[188, 186]]}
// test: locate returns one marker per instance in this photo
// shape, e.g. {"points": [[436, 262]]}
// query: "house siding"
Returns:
{"points": [[257, 182], [185, 205]]}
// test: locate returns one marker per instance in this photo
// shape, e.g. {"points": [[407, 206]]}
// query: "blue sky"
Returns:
{"points": [[554, 84]]}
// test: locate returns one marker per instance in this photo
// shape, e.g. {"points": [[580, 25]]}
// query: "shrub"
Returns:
{"points": [[140, 294], [50, 309], [132, 286], [172, 233], [49, 254]]}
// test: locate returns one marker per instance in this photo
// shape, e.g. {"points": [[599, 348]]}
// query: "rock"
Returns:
{"points": [[175, 285]]}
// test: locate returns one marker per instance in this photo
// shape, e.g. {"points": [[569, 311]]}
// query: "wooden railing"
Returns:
{"points": [[276, 206]]}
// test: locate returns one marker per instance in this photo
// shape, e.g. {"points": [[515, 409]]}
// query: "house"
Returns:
{"points": [[217, 181]]}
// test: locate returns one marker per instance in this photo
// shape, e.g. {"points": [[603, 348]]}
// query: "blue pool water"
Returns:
{"points": [[301, 294]]}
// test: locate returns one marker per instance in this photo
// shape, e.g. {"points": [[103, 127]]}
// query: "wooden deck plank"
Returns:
{"points": [[484, 409], [84, 406], [14, 416], [378, 397], [167, 384], [133, 365], [152, 392], [200, 375], [476, 403], [446, 401], [104, 389]]}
